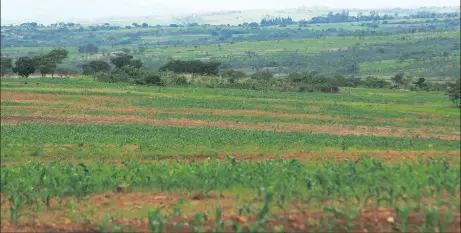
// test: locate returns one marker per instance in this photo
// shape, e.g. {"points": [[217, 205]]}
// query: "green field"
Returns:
{"points": [[303, 148], [71, 145]]}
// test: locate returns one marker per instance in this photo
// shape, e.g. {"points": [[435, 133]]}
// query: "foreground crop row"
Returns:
{"points": [[328, 185]]}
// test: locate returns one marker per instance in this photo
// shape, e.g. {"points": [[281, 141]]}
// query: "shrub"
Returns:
{"points": [[454, 92], [152, 79], [262, 75], [233, 75], [172, 79], [192, 67]]}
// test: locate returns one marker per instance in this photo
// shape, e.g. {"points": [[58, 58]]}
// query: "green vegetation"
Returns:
{"points": [[103, 140], [291, 122], [362, 183], [422, 44], [338, 122], [454, 92]]}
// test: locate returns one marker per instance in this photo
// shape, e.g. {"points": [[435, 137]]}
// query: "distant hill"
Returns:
{"points": [[238, 17]]}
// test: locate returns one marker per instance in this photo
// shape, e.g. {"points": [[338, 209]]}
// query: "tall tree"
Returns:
{"points": [[6, 64], [24, 66], [94, 67], [47, 63], [57, 56]]}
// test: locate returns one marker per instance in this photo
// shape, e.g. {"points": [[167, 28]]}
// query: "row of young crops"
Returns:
{"points": [[341, 189], [86, 141]]}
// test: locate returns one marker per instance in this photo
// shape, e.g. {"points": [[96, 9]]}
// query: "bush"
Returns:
{"points": [[122, 60], [352, 82], [233, 75], [315, 82], [318, 88], [192, 67], [116, 75], [211, 82], [152, 79], [454, 92], [172, 79], [375, 82], [262, 75]]}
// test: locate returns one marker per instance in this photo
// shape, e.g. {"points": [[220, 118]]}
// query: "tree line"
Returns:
{"points": [[276, 21], [124, 68], [25, 66]]}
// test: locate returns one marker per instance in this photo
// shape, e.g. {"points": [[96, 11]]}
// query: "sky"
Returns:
{"points": [[63, 10]]}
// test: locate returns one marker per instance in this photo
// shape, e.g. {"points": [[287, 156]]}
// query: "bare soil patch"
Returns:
{"points": [[12, 96], [83, 100], [299, 218]]}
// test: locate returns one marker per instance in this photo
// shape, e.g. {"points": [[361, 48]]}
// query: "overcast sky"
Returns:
{"points": [[56, 10]]}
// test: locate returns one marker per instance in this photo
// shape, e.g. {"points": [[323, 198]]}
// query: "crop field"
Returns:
{"points": [[80, 155]]}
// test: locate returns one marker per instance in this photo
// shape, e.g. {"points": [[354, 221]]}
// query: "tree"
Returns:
{"points": [[93, 67], [454, 92], [151, 79], [65, 72], [24, 66], [193, 67], [126, 50], [136, 63], [398, 79], [123, 60], [421, 84], [233, 75], [88, 48], [6, 64], [374, 82], [45, 64], [58, 55]]}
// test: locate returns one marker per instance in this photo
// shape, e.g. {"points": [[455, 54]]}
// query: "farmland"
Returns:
{"points": [[314, 121], [434, 56], [80, 155], [421, 47]]}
